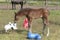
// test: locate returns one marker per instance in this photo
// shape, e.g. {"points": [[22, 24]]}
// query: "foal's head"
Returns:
{"points": [[18, 14]]}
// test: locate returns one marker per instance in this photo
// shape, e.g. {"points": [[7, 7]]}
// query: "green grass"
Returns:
{"points": [[41, 3], [2, 0], [21, 34], [35, 3]]}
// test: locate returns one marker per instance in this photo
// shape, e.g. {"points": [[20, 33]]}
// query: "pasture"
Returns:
{"points": [[21, 34]]}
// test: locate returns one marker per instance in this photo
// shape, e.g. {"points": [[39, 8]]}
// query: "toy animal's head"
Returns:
{"points": [[13, 25]]}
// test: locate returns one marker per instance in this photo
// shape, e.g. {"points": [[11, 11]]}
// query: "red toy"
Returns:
{"points": [[25, 23]]}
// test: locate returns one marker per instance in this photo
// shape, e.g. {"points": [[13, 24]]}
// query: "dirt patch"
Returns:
{"points": [[9, 6]]}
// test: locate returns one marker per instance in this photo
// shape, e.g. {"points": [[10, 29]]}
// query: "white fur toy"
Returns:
{"points": [[10, 25]]}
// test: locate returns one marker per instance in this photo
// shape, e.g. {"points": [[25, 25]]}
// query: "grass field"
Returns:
{"points": [[21, 34]]}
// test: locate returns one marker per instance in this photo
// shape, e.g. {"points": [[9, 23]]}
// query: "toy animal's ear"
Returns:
{"points": [[9, 22]]}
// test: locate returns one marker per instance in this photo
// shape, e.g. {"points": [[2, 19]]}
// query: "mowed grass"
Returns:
{"points": [[21, 34]]}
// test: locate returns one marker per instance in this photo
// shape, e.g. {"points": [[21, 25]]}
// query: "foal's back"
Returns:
{"points": [[34, 13]]}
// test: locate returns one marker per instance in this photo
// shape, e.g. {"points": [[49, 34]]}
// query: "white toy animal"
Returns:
{"points": [[10, 26]]}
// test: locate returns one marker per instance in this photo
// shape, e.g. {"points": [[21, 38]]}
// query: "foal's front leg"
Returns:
{"points": [[30, 25]]}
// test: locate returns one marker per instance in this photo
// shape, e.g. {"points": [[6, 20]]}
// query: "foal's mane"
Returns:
{"points": [[23, 11]]}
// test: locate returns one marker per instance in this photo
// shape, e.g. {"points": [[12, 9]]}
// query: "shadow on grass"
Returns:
{"points": [[9, 31], [56, 23], [21, 31], [3, 32]]}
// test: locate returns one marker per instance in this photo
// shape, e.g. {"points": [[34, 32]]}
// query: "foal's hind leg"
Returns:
{"points": [[45, 23]]}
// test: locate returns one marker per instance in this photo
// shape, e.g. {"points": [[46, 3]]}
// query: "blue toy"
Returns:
{"points": [[35, 36]]}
